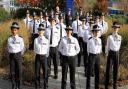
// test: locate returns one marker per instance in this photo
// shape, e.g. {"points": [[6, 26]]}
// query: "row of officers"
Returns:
{"points": [[48, 45]]}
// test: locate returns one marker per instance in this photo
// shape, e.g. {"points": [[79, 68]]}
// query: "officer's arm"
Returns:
{"points": [[107, 46], [22, 46], [77, 47], [61, 46], [88, 46]]}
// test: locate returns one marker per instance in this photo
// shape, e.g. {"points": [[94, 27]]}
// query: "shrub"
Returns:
{"points": [[3, 14]]}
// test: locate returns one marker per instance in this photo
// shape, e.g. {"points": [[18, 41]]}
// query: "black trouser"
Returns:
{"points": [[112, 60], [93, 62], [53, 55], [85, 54], [75, 35], [80, 40], [41, 61], [31, 44], [16, 69], [103, 40], [68, 62]]}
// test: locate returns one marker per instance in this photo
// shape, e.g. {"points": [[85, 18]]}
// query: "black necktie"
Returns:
{"points": [[26, 22], [51, 35], [33, 26], [77, 25], [69, 41], [46, 24], [14, 39], [60, 31], [102, 24]]}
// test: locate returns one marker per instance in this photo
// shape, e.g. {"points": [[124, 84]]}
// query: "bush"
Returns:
{"points": [[122, 19], [3, 14], [21, 13]]}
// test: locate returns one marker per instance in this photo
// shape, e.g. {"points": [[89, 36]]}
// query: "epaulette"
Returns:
{"points": [[10, 36], [31, 20], [20, 36], [90, 38], [110, 34], [57, 27]]}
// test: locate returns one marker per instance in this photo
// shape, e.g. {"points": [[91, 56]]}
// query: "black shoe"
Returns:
{"points": [[55, 77], [13, 86]]}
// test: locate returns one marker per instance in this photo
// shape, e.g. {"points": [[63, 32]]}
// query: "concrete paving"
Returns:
{"points": [[56, 84]]}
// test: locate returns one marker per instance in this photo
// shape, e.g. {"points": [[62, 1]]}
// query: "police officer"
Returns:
{"points": [[76, 26], [62, 26], [69, 18], [112, 50], [53, 34], [94, 48], [104, 28], [69, 48], [33, 30], [41, 48], [80, 40], [46, 23], [63, 33], [41, 19], [87, 35], [15, 48], [27, 20]]}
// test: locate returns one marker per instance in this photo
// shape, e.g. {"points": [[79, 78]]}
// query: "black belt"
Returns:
{"points": [[94, 54], [111, 51], [15, 53]]}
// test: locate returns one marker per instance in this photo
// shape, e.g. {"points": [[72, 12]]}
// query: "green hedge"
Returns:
{"points": [[21, 13], [3, 14], [122, 19]]}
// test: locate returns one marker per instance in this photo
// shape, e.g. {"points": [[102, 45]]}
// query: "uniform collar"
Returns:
{"points": [[15, 36], [41, 37]]}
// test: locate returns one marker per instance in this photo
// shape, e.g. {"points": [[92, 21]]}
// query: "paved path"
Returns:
{"points": [[55, 84]]}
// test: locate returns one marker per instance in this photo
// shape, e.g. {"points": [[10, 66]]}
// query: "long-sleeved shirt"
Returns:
{"points": [[113, 42], [41, 45], [54, 37], [34, 26], [76, 26], [27, 22], [62, 27], [69, 46], [15, 44], [104, 27], [94, 45], [46, 24]]}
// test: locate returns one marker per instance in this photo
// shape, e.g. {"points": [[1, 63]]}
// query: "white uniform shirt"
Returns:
{"points": [[35, 27], [104, 27], [69, 46], [46, 24], [27, 22], [41, 46], [41, 20], [15, 44], [63, 27], [94, 46], [76, 26], [87, 35], [55, 35], [113, 42]]}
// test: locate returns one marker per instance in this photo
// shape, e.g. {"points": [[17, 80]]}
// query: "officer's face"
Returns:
{"points": [[69, 32], [46, 18], [77, 17], [53, 22], [61, 20], [14, 31], [95, 33], [27, 15], [115, 30], [41, 33]]}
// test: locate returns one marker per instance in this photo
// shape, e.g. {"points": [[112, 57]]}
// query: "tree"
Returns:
{"points": [[124, 5]]}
